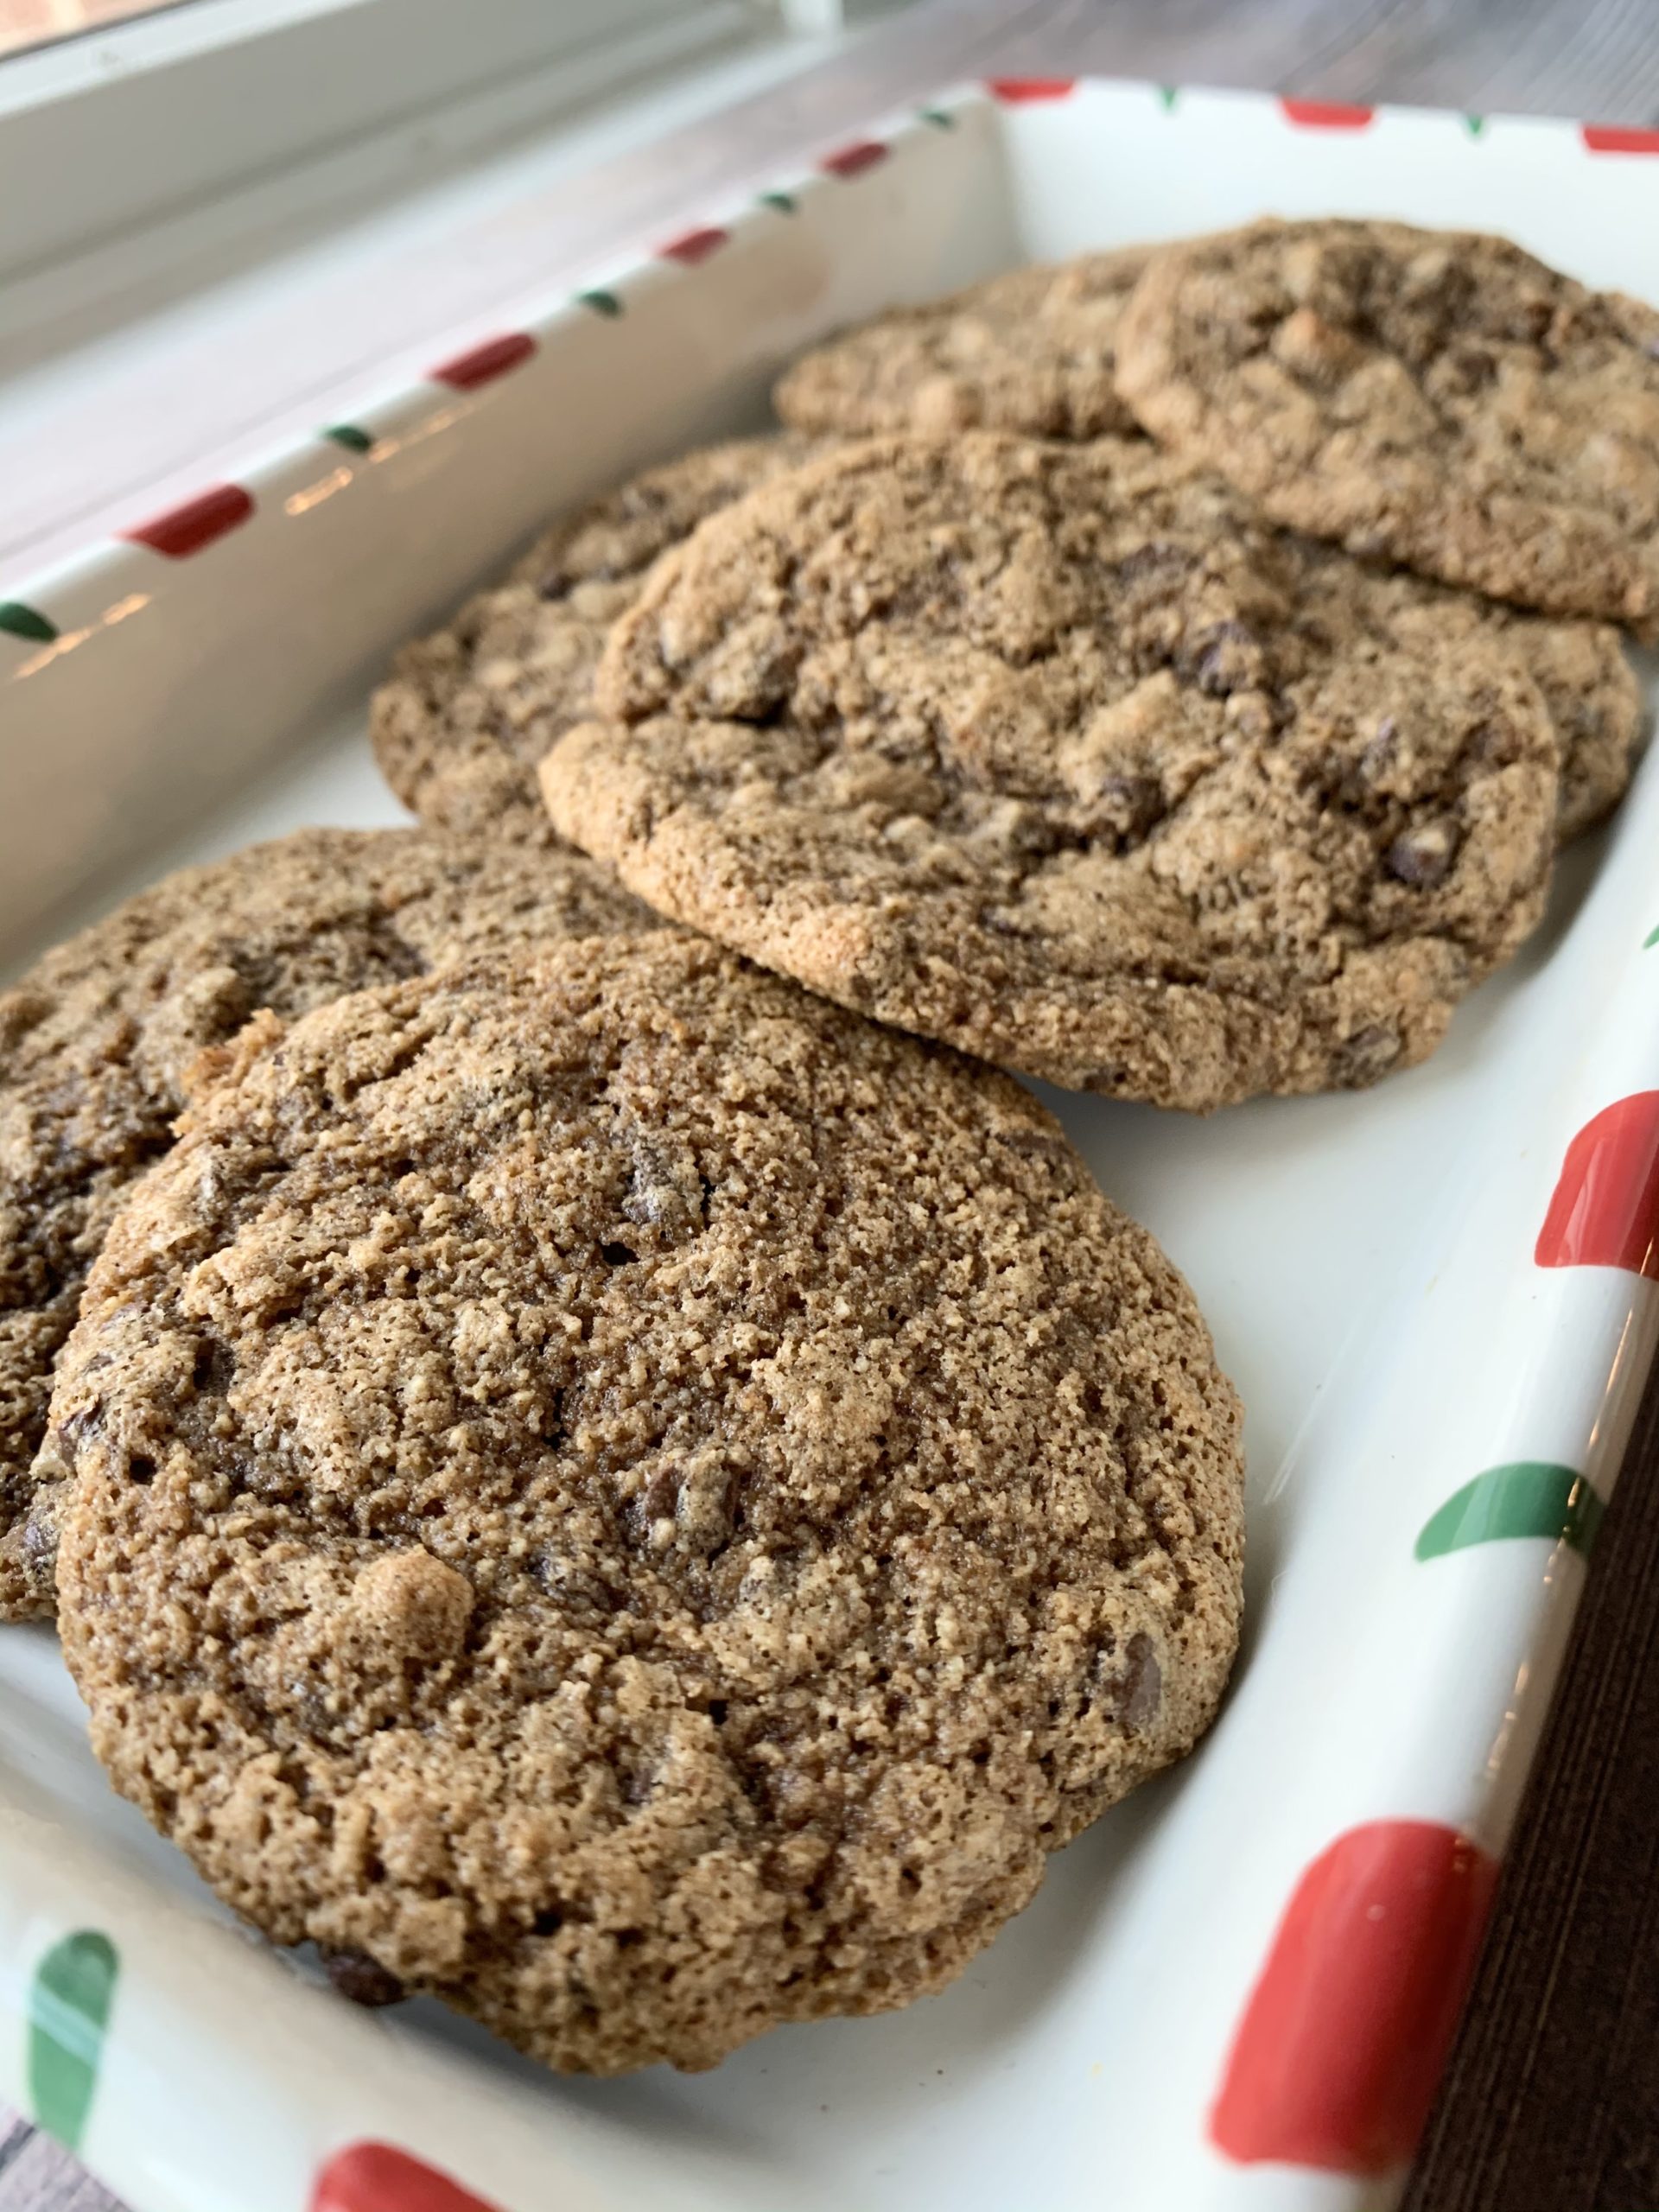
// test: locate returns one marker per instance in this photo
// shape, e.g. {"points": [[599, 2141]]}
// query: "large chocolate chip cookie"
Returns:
{"points": [[1439, 397], [1061, 755], [635, 1501]]}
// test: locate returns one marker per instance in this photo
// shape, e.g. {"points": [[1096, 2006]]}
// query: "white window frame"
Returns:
{"points": [[122, 130]]}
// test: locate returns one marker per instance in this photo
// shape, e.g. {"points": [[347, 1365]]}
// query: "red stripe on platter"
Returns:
{"points": [[1018, 89], [1618, 139], [852, 160], [693, 246], [1325, 115], [185, 530], [483, 363], [1336, 2057], [1604, 1212], [375, 2177]]}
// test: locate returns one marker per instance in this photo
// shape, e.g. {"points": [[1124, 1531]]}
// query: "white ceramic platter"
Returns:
{"points": [[1234, 1993]]}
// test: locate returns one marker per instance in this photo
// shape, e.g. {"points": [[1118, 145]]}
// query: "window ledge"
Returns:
{"points": [[130, 372]]}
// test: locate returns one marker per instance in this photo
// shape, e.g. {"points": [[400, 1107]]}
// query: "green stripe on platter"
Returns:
{"points": [[1652, 938], [939, 117], [1527, 1497], [1168, 94], [69, 2001], [779, 201], [25, 622], [349, 435], [1474, 125], [600, 303]]}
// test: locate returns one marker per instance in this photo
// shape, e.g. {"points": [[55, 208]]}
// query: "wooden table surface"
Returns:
{"points": [[1551, 2100]]}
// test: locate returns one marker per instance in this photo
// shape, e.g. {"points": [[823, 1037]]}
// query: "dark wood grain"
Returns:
{"points": [[1551, 2101], [1587, 59]]}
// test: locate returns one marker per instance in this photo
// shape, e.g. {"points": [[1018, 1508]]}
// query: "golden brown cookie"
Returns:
{"points": [[94, 1040], [1060, 753], [636, 1502], [459, 728], [1438, 398], [1031, 350]]}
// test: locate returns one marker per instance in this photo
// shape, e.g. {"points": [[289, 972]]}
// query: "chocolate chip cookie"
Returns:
{"points": [[468, 712], [94, 1040], [636, 1502], [1060, 754], [1439, 397], [1031, 350]]}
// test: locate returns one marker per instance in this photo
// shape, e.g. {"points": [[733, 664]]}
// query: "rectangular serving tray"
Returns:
{"points": [[1437, 1298]]}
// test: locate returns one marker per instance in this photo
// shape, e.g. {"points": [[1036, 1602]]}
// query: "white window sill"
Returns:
{"points": [[131, 376]]}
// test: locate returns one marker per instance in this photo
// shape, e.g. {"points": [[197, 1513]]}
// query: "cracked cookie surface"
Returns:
{"points": [[635, 1501], [1032, 350], [1061, 755], [467, 713], [1586, 681], [1440, 398], [96, 1036]]}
